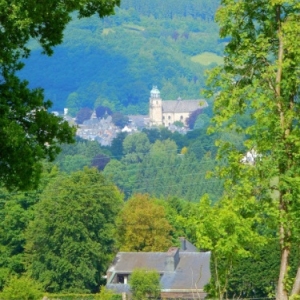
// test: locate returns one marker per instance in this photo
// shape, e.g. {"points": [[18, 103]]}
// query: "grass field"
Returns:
{"points": [[207, 58]]}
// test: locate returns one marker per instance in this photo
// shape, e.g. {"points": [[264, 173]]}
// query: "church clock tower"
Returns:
{"points": [[155, 107]]}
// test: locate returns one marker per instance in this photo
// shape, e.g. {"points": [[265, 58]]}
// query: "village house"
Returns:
{"points": [[183, 271]]}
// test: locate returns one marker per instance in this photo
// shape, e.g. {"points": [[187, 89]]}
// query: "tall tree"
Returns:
{"points": [[142, 226], [16, 211], [261, 77], [70, 242], [29, 133]]}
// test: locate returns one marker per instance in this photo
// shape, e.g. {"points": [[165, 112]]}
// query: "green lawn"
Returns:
{"points": [[207, 58]]}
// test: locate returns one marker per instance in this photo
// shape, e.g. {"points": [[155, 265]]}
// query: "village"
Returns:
{"points": [[167, 113]]}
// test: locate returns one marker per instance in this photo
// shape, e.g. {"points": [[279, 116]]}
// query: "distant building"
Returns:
{"points": [[183, 272], [166, 112]]}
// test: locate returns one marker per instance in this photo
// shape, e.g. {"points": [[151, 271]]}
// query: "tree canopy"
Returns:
{"points": [[261, 77], [142, 226], [70, 242], [29, 133]]}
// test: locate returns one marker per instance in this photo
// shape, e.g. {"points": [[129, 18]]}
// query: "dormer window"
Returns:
{"points": [[122, 278]]}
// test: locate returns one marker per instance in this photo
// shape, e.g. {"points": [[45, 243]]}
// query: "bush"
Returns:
{"points": [[23, 288], [144, 284]]}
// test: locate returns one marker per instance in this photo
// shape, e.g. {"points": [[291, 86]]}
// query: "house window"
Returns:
{"points": [[181, 117], [163, 117], [122, 278], [169, 118]]}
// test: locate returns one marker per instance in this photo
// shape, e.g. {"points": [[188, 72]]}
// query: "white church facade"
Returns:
{"points": [[166, 112]]}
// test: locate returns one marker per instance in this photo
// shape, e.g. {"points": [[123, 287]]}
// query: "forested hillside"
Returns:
{"points": [[115, 61], [156, 161]]}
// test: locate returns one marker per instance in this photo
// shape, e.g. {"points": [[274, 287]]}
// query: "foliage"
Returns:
{"points": [[116, 148], [106, 294], [100, 161], [41, 23], [22, 288], [128, 53], [135, 147], [144, 284], [193, 118], [15, 214], [255, 276], [157, 169], [178, 124], [83, 153], [70, 241], [261, 77], [16, 211], [83, 115], [29, 132], [142, 226], [119, 119], [102, 111], [229, 236]]}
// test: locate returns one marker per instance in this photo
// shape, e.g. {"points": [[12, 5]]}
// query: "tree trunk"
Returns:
{"points": [[285, 252], [296, 287]]}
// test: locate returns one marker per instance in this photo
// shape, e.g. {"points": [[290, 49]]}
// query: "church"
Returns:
{"points": [[169, 111]]}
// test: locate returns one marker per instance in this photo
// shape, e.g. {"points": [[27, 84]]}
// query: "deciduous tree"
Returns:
{"points": [[261, 77], [142, 226], [29, 133], [83, 115], [70, 242]]}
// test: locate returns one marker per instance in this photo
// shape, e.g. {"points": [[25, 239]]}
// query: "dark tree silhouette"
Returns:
{"points": [[101, 111], [193, 118], [84, 114], [119, 119], [100, 161]]}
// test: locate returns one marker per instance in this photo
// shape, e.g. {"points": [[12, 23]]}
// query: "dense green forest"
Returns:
{"points": [[154, 161], [115, 61]]}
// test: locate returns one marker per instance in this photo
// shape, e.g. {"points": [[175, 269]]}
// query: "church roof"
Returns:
{"points": [[182, 106]]}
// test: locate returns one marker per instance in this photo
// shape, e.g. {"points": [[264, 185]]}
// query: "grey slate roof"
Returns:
{"points": [[187, 246], [182, 106], [192, 271], [138, 120]]}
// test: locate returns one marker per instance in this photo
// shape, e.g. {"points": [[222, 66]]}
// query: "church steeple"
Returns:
{"points": [[155, 93], [155, 106]]}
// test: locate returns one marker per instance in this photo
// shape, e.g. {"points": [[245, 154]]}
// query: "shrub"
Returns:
{"points": [[23, 288], [144, 284]]}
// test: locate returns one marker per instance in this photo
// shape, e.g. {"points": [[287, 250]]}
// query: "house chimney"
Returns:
{"points": [[182, 243], [172, 259]]}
